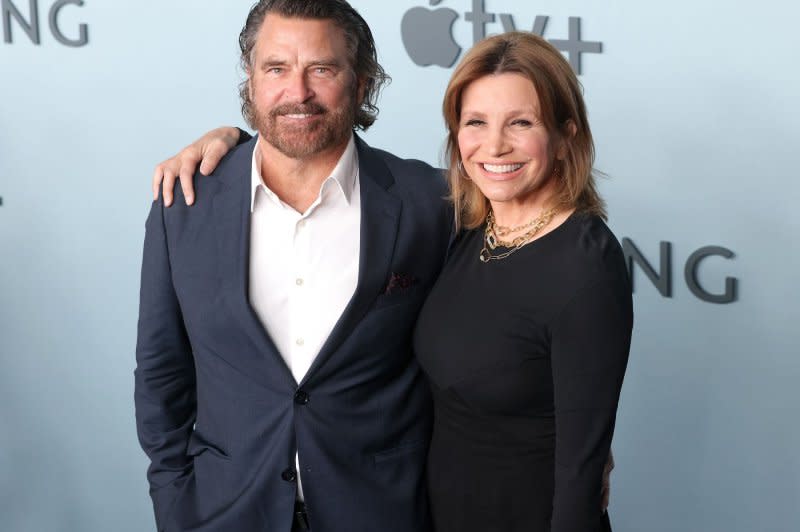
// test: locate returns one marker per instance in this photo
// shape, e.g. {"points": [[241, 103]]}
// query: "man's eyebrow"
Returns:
{"points": [[332, 62], [272, 61], [326, 61], [267, 65]]}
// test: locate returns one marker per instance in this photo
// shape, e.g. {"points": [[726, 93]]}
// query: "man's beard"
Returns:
{"points": [[304, 140]]}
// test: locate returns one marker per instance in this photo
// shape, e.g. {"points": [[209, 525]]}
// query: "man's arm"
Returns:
{"points": [[208, 150], [165, 377]]}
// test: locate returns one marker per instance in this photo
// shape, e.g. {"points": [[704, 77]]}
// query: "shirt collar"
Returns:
{"points": [[344, 174]]}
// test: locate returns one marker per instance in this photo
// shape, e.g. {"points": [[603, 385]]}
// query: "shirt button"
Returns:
{"points": [[301, 397], [299, 281], [289, 475], [300, 342]]}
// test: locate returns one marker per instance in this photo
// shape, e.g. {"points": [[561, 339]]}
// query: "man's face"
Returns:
{"points": [[302, 86]]}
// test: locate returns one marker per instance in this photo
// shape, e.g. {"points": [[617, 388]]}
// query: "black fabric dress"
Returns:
{"points": [[525, 357]]}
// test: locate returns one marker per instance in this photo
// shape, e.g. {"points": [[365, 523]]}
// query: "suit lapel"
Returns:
{"points": [[380, 216], [231, 208]]}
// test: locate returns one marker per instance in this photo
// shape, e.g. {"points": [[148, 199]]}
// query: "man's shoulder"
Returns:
{"points": [[412, 173], [235, 163], [233, 170], [407, 166]]}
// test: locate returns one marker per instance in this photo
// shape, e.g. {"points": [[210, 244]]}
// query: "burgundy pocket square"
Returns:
{"points": [[399, 283]]}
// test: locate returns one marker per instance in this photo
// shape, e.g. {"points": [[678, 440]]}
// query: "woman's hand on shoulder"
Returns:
{"points": [[206, 151]]}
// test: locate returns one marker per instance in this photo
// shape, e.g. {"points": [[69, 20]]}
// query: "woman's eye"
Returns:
{"points": [[522, 122], [473, 122]]}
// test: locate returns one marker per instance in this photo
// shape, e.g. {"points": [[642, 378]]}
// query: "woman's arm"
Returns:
{"points": [[591, 340], [208, 150]]}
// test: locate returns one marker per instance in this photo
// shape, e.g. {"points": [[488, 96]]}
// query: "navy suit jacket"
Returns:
{"points": [[218, 411]]}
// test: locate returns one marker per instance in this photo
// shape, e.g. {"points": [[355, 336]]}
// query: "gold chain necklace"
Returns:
{"points": [[502, 230], [492, 242]]}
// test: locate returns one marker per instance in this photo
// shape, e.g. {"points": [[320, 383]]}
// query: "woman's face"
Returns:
{"points": [[505, 148]]}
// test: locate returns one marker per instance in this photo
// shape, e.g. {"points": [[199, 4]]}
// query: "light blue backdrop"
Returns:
{"points": [[695, 114]]}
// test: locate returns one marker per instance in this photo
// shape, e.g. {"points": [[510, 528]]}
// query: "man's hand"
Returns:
{"points": [[207, 150], [607, 480]]}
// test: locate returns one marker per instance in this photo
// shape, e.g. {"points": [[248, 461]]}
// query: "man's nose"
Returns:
{"points": [[298, 89]]}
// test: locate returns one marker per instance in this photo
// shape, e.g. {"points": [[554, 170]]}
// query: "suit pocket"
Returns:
{"points": [[391, 300], [199, 445], [167, 498], [401, 451]]}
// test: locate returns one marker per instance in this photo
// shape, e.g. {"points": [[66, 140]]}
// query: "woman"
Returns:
{"points": [[525, 335]]}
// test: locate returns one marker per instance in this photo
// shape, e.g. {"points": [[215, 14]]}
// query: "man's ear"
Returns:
{"points": [[361, 90]]}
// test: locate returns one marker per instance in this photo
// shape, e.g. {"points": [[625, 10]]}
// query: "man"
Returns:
{"points": [[275, 385]]}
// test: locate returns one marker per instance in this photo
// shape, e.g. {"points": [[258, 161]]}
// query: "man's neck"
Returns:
{"points": [[297, 182]]}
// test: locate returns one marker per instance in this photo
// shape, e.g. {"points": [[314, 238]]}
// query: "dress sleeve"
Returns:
{"points": [[590, 342]]}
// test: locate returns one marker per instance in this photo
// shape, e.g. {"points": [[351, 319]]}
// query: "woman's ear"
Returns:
{"points": [[568, 132], [570, 129]]}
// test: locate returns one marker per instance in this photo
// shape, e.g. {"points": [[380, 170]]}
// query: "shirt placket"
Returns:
{"points": [[301, 334], [298, 305]]}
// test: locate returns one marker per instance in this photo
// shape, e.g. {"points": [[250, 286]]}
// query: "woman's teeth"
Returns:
{"points": [[501, 168]]}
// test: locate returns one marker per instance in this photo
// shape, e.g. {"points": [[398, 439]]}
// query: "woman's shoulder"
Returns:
{"points": [[590, 245], [593, 230]]}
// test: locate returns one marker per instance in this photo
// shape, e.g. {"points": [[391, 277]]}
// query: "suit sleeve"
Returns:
{"points": [[590, 343], [164, 393], [244, 136]]}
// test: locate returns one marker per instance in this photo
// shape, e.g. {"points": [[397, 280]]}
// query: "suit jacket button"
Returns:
{"points": [[301, 397], [289, 475]]}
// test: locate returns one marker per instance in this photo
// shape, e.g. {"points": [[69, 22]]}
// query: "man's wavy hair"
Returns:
{"points": [[360, 44]]}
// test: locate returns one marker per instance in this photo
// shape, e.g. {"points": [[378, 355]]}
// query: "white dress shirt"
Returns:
{"points": [[304, 266]]}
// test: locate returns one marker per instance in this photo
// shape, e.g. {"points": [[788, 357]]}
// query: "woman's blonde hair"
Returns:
{"points": [[562, 110]]}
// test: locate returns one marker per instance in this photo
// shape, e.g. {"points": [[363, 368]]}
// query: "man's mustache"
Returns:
{"points": [[311, 108]]}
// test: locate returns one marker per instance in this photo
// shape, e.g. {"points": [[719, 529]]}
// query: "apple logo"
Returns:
{"points": [[427, 35]]}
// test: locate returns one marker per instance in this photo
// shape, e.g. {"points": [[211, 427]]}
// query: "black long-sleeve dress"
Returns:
{"points": [[525, 357]]}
